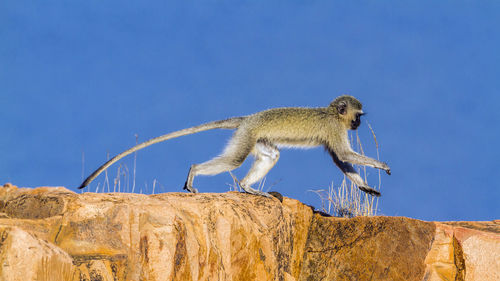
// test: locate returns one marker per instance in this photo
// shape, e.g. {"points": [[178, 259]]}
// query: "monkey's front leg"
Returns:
{"points": [[358, 159]]}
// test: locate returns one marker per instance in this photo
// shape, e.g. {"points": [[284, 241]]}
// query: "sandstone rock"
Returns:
{"points": [[25, 257], [230, 236], [465, 251], [367, 248]]}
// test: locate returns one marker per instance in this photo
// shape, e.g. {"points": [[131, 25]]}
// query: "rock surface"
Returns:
{"points": [[52, 233]]}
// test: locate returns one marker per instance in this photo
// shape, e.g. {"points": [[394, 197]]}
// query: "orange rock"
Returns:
{"points": [[25, 257], [229, 236], [367, 248], [465, 251]]}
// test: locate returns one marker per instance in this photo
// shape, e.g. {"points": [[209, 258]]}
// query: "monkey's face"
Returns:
{"points": [[349, 111]]}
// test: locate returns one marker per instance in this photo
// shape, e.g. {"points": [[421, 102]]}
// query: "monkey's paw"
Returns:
{"points": [[370, 190], [386, 168], [250, 190], [261, 193], [190, 188]]}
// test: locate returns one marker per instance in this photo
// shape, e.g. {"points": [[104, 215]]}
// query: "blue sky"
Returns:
{"points": [[87, 76]]}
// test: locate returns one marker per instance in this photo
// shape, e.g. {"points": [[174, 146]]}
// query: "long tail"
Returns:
{"points": [[231, 123]]}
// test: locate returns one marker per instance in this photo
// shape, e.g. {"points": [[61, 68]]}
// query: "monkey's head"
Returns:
{"points": [[349, 111]]}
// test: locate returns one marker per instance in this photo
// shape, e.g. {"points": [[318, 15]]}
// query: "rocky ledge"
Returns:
{"points": [[51, 233]]}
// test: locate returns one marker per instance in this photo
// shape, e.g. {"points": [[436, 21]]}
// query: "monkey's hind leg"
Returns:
{"points": [[266, 156], [233, 156]]}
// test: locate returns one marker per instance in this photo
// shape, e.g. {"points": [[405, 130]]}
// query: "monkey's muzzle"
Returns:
{"points": [[355, 123]]}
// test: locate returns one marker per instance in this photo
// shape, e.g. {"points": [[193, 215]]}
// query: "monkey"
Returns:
{"points": [[262, 134]]}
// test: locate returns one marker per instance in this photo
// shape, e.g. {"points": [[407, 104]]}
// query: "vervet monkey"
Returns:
{"points": [[262, 133]]}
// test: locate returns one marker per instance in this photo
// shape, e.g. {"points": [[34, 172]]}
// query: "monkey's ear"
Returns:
{"points": [[342, 107]]}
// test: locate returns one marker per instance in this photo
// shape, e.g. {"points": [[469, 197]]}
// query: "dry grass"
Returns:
{"points": [[347, 201]]}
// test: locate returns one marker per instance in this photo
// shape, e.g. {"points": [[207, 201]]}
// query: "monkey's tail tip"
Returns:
{"points": [[83, 185]]}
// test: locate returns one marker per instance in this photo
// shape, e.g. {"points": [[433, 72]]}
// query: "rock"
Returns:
{"points": [[367, 248], [25, 257], [465, 251], [229, 236]]}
